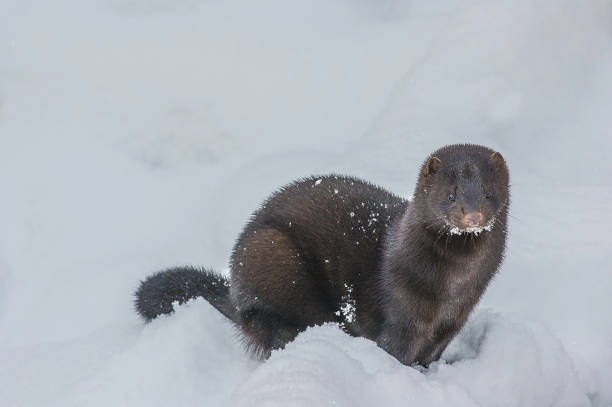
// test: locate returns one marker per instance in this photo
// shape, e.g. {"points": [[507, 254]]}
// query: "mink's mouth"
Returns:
{"points": [[455, 229]]}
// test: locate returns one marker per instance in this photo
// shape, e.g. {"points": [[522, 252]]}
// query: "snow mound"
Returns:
{"points": [[190, 355], [494, 361], [195, 355]]}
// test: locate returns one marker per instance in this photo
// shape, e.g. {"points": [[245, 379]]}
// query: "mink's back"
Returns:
{"points": [[331, 212]]}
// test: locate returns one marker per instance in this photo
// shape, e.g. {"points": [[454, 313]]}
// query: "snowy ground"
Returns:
{"points": [[140, 134]]}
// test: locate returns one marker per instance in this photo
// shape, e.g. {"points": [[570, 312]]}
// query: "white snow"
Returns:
{"points": [[137, 135], [475, 230], [348, 309]]}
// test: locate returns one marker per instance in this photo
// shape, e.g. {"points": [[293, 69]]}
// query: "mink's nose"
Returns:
{"points": [[473, 219]]}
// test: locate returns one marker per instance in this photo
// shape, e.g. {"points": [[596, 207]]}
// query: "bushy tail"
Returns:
{"points": [[157, 292]]}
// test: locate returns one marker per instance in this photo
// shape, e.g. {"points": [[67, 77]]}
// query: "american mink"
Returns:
{"points": [[405, 274]]}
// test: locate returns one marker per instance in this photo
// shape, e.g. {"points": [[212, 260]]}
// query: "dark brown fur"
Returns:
{"points": [[338, 249]]}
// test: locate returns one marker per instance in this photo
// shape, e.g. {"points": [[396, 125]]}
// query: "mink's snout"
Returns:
{"points": [[473, 219]]}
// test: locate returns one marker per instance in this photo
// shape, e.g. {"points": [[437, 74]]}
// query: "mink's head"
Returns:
{"points": [[463, 187]]}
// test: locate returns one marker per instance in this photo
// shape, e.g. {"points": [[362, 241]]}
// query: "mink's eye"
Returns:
{"points": [[452, 198]]}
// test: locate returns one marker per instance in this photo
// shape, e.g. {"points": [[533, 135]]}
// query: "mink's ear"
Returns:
{"points": [[497, 159], [432, 166]]}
